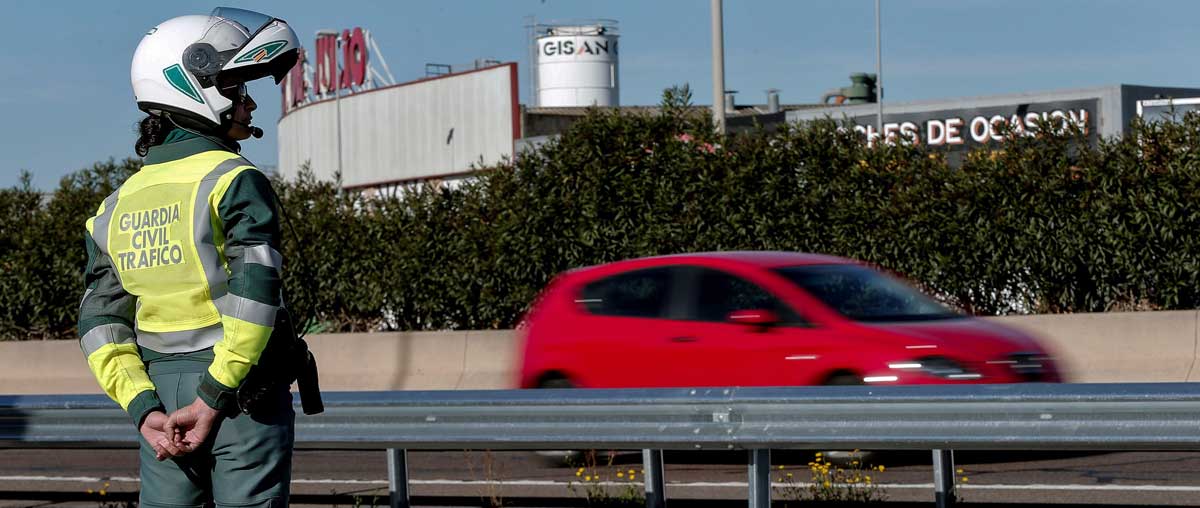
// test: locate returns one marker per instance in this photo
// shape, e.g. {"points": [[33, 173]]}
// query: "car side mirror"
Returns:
{"points": [[759, 318]]}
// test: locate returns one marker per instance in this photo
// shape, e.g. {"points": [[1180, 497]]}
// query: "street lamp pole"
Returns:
{"points": [[335, 86], [718, 68], [878, 75]]}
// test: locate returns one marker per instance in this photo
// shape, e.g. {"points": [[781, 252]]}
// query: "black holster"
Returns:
{"points": [[309, 383], [285, 360]]}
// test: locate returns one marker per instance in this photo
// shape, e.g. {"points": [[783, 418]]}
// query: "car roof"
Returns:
{"points": [[765, 259]]}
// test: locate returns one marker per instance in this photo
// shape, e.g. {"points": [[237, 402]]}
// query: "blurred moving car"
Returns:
{"points": [[759, 319]]}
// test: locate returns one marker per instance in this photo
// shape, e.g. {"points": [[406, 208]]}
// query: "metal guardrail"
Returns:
{"points": [[940, 418]]}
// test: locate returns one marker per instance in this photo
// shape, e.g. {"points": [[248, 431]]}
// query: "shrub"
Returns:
{"points": [[1043, 223]]}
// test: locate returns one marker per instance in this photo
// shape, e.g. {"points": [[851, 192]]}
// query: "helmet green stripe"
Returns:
{"points": [[176, 77]]}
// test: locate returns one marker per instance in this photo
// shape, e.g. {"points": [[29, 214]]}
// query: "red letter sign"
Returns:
{"points": [[354, 58]]}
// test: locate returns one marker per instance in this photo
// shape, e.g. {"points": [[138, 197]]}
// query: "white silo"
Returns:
{"points": [[577, 64]]}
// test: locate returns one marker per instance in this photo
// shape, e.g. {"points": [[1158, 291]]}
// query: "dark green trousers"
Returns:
{"points": [[247, 463]]}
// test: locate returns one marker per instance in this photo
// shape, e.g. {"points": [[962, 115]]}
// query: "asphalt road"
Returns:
{"points": [[1153, 478]]}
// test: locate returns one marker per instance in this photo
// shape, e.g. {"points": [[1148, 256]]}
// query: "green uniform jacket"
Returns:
{"points": [[183, 259]]}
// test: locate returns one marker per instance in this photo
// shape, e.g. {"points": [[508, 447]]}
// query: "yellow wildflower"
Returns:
{"points": [[964, 479], [620, 474], [578, 473], [819, 454], [827, 483], [90, 491], [880, 468], [789, 475], [631, 472], [959, 471], [868, 478], [103, 492], [781, 467], [587, 478]]}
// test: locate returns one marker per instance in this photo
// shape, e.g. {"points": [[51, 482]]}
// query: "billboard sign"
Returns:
{"points": [[340, 64], [962, 129]]}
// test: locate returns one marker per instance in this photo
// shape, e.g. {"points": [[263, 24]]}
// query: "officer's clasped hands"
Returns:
{"points": [[153, 430], [189, 426]]}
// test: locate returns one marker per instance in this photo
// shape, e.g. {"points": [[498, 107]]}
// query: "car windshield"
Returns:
{"points": [[863, 294]]}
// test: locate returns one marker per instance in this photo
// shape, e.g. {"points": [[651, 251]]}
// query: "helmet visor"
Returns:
{"points": [[232, 30], [228, 31], [251, 22]]}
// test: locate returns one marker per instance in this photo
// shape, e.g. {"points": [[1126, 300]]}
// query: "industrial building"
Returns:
{"points": [[378, 134], [965, 123], [354, 121]]}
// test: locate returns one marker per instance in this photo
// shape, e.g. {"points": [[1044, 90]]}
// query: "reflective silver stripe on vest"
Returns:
{"points": [[214, 271], [112, 333], [100, 225], [186, 341], [263, 255], [83, 300], [247, 310]]}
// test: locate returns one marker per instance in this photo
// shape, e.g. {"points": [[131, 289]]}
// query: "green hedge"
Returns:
{"points": [[1047, 223], [42, 253]]}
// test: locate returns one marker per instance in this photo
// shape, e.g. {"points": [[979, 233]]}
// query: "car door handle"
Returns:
{"points": [[683, 339]]}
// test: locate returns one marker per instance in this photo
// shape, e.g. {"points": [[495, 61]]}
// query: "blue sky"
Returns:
{"points": [[65, 88]]}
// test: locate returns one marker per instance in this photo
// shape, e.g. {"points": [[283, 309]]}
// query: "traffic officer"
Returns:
{"points": [[183, 301]]}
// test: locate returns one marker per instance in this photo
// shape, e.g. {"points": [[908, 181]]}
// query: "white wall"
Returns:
{"points": [[404, 132]]}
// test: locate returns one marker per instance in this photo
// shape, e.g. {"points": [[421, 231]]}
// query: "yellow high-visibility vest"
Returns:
{"points": [[164, 240]]}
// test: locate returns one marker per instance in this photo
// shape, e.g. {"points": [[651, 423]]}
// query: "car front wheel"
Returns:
{"points": [[847, 459]]}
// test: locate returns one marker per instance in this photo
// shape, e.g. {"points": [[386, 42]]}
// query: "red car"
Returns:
{"points": [[759, 319]]}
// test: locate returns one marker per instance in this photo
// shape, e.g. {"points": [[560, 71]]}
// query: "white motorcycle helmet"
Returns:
{"points": [[183, 65]]}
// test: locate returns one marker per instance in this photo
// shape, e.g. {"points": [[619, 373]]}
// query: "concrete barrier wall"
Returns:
{"points": [[1092, 348], [1118, 346], [415, 360]]}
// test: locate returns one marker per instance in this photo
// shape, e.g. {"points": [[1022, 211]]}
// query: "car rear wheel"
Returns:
{"points": [[556, 383], [559, 457]]}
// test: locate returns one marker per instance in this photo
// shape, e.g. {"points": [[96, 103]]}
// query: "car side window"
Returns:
{"points": [[720, 293], [641, 293]]}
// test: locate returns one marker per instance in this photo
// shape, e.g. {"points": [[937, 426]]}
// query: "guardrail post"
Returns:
{"points": [[760, 478], [398, 477], [943, 479], [652, 462]]}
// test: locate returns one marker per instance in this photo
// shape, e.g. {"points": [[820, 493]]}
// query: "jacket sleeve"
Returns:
{"points": [[252, 234], [107, 339]]}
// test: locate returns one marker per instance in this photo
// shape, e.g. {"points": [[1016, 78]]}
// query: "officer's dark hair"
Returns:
{"points": [[152, 131]]}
